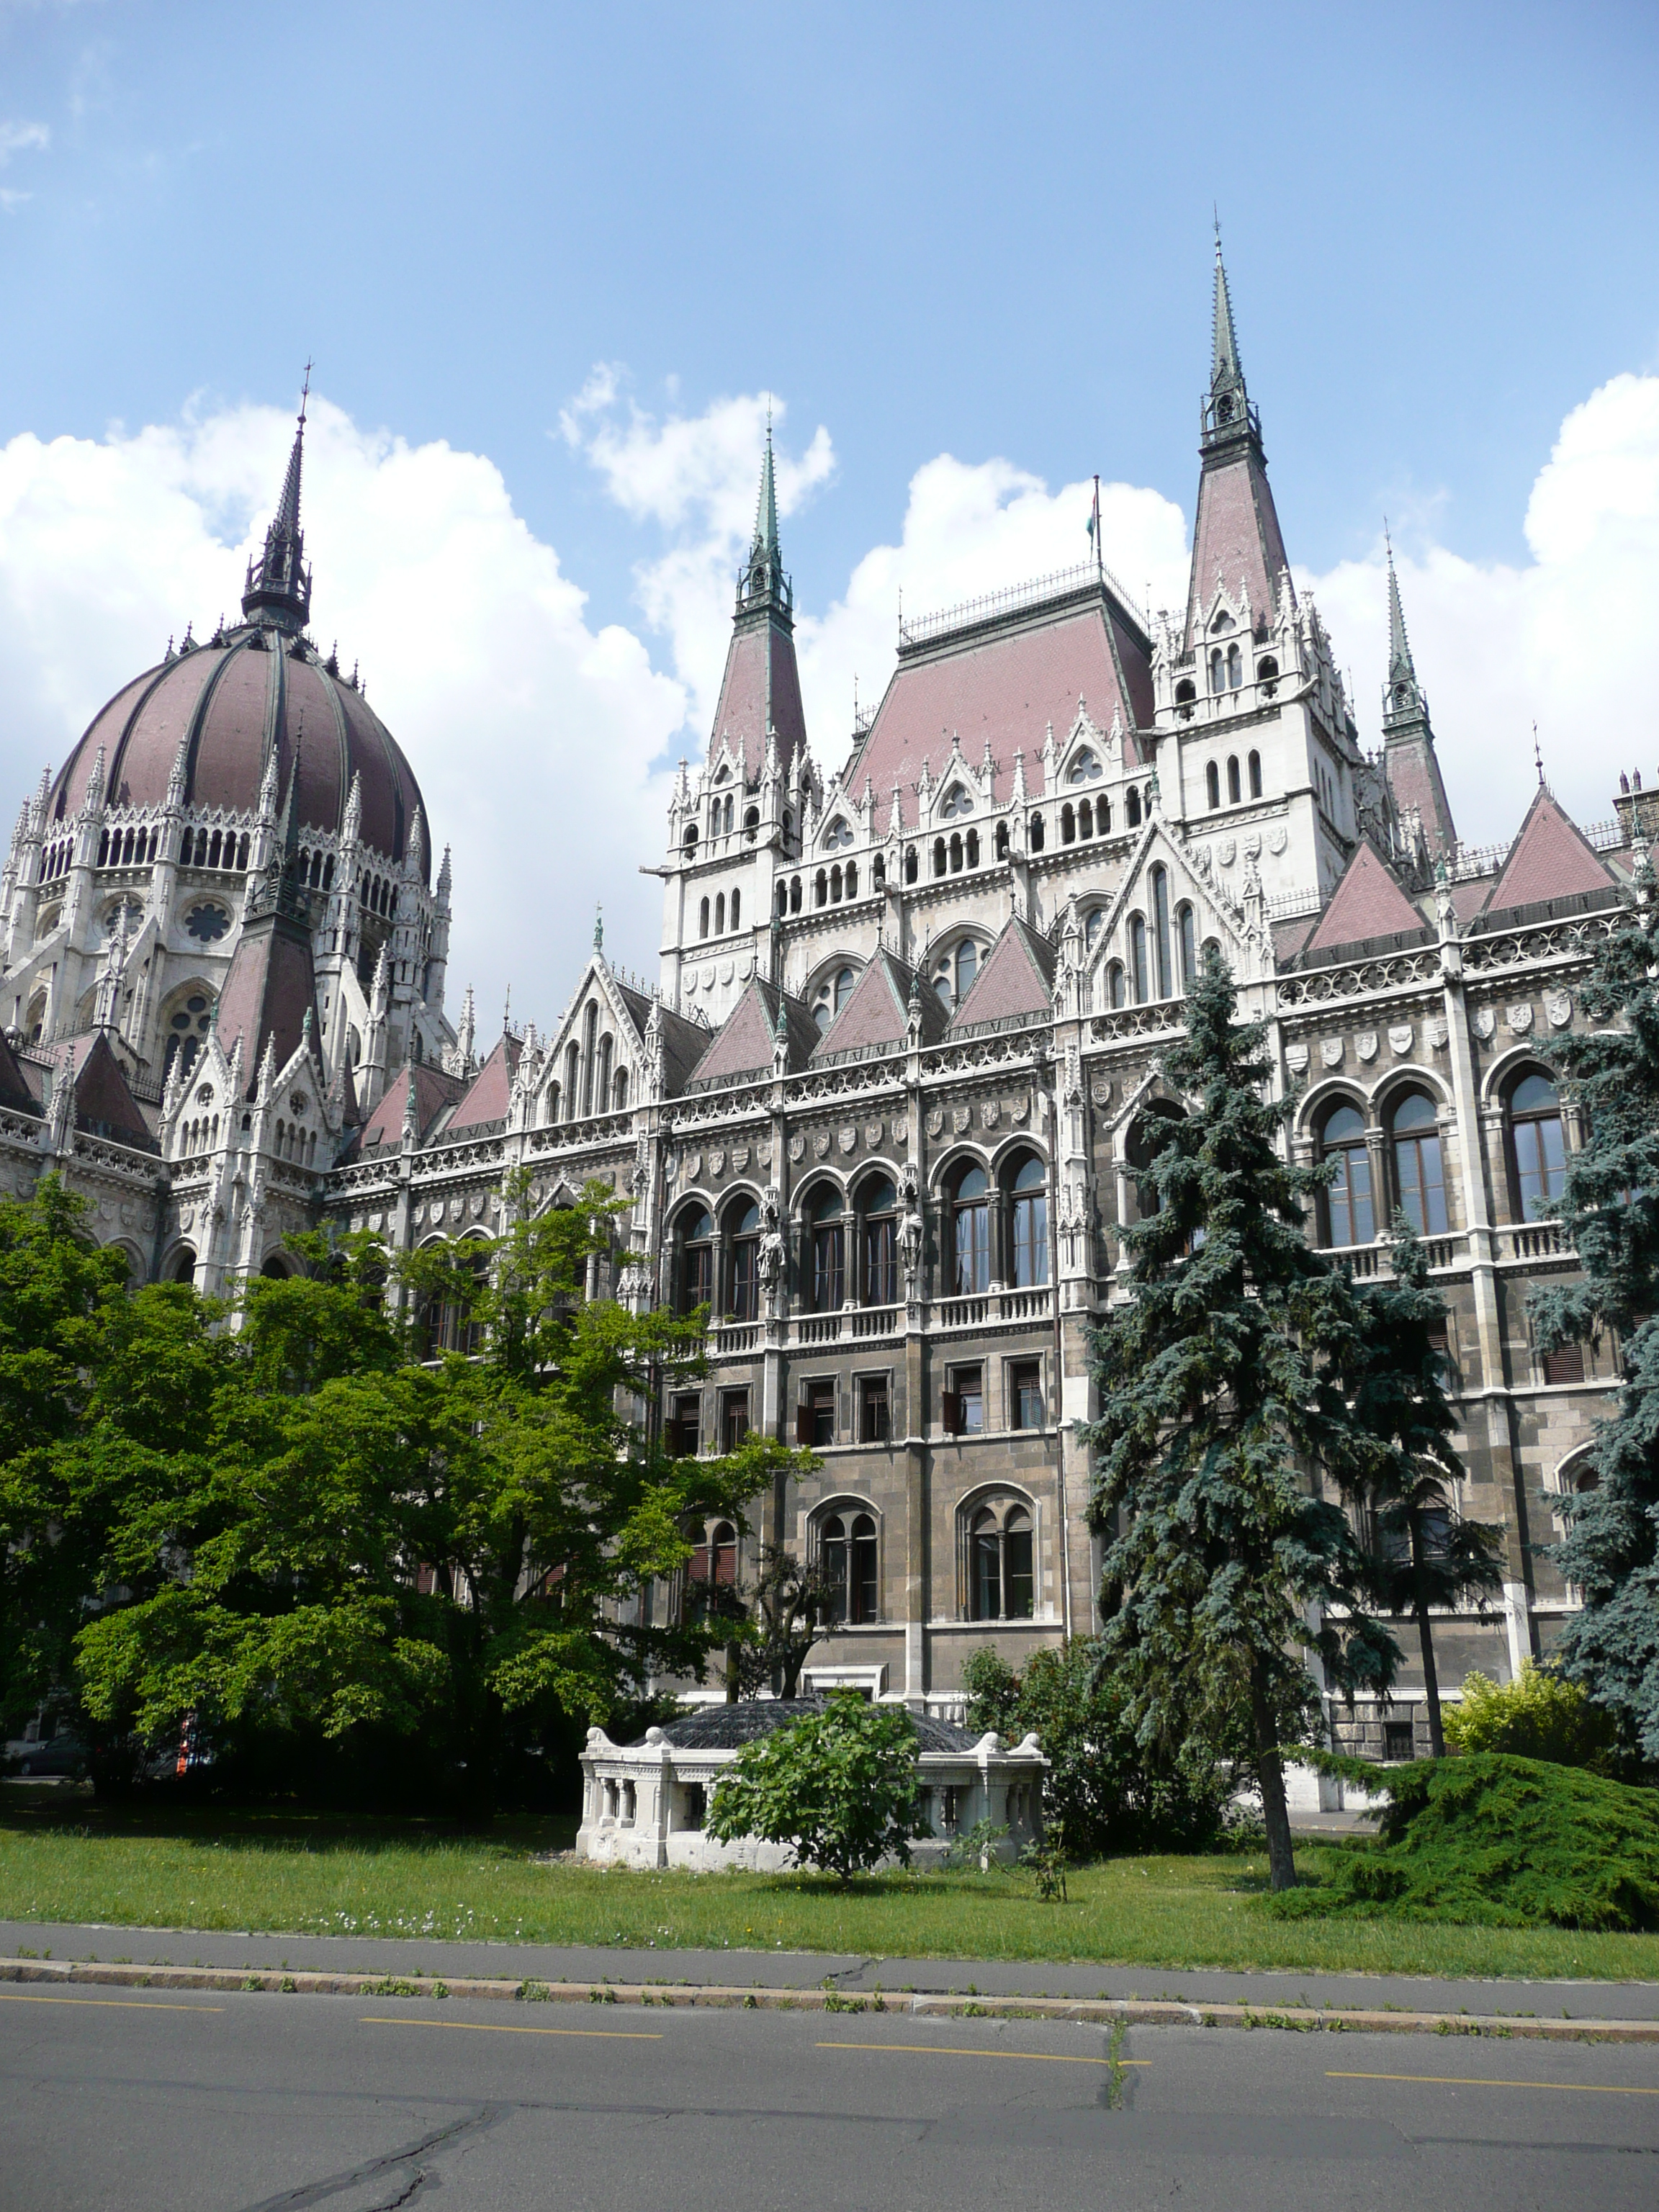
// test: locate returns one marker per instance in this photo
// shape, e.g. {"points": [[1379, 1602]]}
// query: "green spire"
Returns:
{"points": [[1228, 414], [766, 507], [1402, 698], [762, 582]]}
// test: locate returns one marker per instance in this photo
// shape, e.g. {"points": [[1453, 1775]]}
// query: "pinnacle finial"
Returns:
{"points": [[1402, 695], [599, 927], [766, 507], [278, 583], [1225, 367]]}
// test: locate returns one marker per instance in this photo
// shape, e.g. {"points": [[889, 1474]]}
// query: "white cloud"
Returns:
{"points": [[22, 138], [1562, 639], [533, 733]]}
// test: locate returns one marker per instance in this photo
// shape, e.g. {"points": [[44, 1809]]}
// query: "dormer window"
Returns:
{"points": [[1086, 767], [955, 802]]}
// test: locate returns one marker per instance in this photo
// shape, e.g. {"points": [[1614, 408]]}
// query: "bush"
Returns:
{"points": [[839, 1786], [1107, 1790], [1540, 1714], [1501, 1842]]}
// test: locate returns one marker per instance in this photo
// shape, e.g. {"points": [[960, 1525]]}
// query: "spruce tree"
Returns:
{"points": [[1224, 1419], [1609, 1206], [1428, 1556]]}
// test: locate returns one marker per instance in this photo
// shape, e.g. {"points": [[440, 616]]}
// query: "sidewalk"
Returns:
{"points": [[809, 1969]]}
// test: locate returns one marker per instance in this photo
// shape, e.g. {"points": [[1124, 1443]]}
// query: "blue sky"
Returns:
{"points": [[974, 232]]}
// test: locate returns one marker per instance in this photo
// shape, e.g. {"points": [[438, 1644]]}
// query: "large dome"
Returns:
{"points": [[227, 700]]}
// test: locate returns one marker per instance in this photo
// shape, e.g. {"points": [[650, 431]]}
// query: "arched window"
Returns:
{"points": [[551, 1109], [1539, 1144], [967, 967], [751, 823], [1232, 782], [970, 845], [1115, 993], [844, 980], [970, 1233], [1138, 978], [572, 1068], [1187, 930], [1161, 931], [1256, 776], [955, 803], [795, 894], [1131, 808], [1034, 829], [1218, 671], [1068, 823], [878, 872], [1002, 840], [1103, 817], [783, 895], [711, 1567], [838, 834], [728, 815], [735, 899], [696, 1235], [938, 856], [821, 887], [619, 1091], [1091, 926], [1086, 767], [742, 1226], [1085, 820], [911, 867], [852, 888], [1000, 1583], [702, 919], [1235, 668], [878, 1215], [1350, 1212], [1146, 1139], [1419, 1176], [602, 1098], [849, 1558], [956, 852], [1030, 1225], [834, 885], [1267, 674], [1212, 785], [1185, 698], [590, 1025], [829, 1237]]}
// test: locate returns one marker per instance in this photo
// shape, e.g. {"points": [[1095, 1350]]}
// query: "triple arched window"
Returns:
{"points": [[998, 1231]]}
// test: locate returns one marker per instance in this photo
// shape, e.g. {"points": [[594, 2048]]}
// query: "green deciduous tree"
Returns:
{"points": [[1609, 1206], [838, 1787], [1223, 1418], [1428, 1558], [1540, 1714]]}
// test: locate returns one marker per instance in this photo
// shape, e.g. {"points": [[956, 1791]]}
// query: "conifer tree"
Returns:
{"points": [[1428, 1556], [1224, 1421], [1609, 1206]]}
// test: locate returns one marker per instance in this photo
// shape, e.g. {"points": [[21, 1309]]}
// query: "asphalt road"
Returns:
{"points": [[253, 2103]]}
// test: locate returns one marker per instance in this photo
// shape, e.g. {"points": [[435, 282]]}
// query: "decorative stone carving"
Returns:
{"points": [[1557, 1005], [1100, 1090], [1365, 1045], [821, 1144], [1484, 1023], [1437, 1033], [873, 1134], [961, 1118], [1400, 1037], [912, 1238], [847, 1137], [935, 1120], [717, 1164], [692, 1166], [1330, 1052], [1227, 851], [377, 1222], [1296, 1058], [1277, 840], [739, 1158], [901, 1133], [797, 1147], [1020, 1111], [772, 1257], [990, 1112], [1253, 845], [1519, 1020], [435, 1211]]}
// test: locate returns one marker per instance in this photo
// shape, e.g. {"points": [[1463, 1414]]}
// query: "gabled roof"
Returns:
{"points": [[1367, 902], [1549, 859], [271, 989], [1007, 684], [1016, 982], [15, 1090], [490, 1092], [743, 1044], [877, 1013], [104, 1106], [434, 1090], [684, 1040]]}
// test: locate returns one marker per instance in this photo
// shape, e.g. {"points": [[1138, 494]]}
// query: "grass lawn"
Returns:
{"points": [[64, 1858]]}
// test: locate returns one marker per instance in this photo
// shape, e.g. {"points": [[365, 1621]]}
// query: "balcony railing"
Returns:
{"points": [[1533, 1240], [992, 1306], [734, 1337]]}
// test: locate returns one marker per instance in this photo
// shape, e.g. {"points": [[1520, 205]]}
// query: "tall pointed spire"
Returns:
{"points": [[1402, 697], [762, 581], [278, 582], [1228, 414], [759, 716], [1409, 760]]}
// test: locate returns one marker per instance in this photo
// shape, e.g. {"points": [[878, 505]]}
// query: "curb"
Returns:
{"points": [[1130, 2012]]}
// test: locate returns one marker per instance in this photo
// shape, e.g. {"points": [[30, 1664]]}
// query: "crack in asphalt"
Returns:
{"points": [[479, 2119]]}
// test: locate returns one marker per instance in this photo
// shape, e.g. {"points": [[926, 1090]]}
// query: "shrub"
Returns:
{"points": [[1504, 1842], [1540, 1714], [838, 1787], [1105, 1787]]}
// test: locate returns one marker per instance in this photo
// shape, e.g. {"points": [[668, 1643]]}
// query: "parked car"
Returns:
{"points": [[64, 1754]]}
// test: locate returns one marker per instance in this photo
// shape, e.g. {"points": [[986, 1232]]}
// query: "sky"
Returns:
{"points": [[553, 263]]}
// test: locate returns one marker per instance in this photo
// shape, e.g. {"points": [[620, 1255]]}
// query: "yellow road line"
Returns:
{"points": [[139, 2004], [947, 2051], [493, 2027], [1482, 2081]]}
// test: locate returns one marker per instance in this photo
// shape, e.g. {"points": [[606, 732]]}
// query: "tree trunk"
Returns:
{"points": [[1426, 1638], [1270, 1773], [733, 1682]]}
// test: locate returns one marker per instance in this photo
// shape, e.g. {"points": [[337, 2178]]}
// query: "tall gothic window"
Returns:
{"points": [[848, 1555], [1419, 1176], [745, 1230], [829, 1252], [1538, 1143], [1001, 1586], [1350, 1212], [878, 1214], [1030, 1225], [971, 1233], [1138, 958], [1161, 929], [696, 1259]]}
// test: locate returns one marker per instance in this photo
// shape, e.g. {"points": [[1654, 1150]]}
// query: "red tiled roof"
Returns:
{"points": [[1549, 859], [1236, 537], [1414, 772], [1008, 687], [491, 1089], [271, 989], [1016, 979], [878, 1010], [1367, 902], [740, 717], [434, 1090], [103, 1102]]}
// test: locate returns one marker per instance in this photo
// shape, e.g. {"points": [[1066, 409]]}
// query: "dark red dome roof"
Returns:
{"points": [[226, 701]]}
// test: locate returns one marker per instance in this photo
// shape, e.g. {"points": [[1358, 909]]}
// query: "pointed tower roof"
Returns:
{"points": [[270, 996], [1015, 983], [434, 1090], [1236, 541], [490, 1092], [761, 688], [104, 1105], [744, 1044], [1409, 759], [875, 1017], [278, 582], [1367, 902], [1549, 859]]}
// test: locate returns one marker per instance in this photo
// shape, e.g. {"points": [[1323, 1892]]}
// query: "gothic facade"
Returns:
{"points": [[884, 1109]]}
